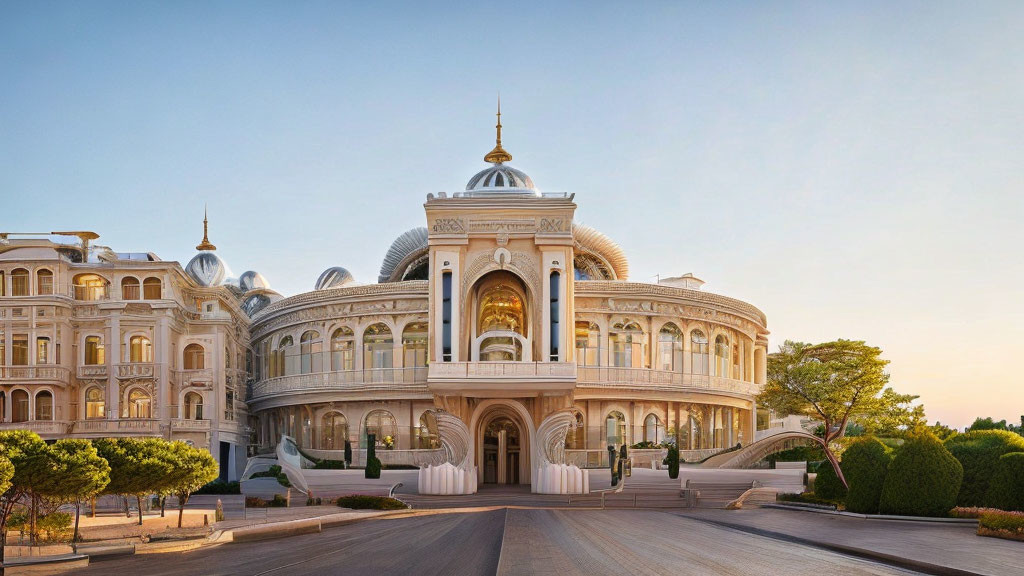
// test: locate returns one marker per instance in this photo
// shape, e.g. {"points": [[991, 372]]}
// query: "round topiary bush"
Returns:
{"points": [[827, 485], [865, 464], [979, 451], [923, 480], [1006, 490]]}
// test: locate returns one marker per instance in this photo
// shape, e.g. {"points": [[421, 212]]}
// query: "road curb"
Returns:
{"points": [[865, 553], [889, 517]]}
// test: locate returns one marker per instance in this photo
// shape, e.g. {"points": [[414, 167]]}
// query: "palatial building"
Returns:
{"points": [[500, 311]]}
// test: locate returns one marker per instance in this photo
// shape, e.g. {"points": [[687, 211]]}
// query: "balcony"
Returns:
{"points": [[41, 427], [92, 372], [187, 425], [500, 378], [46, 374], [375, 379], [123, 427], [136, 370], [199, 377], [660, 380]]}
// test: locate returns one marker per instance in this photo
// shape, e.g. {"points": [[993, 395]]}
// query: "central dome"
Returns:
{"points": [[501, 178]]}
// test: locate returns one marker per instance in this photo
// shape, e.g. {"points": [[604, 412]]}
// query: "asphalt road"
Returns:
{"points": [[508, 542]]}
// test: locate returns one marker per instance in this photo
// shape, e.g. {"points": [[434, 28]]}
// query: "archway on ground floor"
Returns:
{"points": [[502, 442]]}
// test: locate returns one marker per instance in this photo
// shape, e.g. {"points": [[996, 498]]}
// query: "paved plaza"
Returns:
{"points": [[565, 542]]}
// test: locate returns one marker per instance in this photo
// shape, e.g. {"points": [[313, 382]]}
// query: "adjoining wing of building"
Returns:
{"points": [[501, 311]]}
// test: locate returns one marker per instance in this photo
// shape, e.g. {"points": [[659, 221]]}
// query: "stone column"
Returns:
{"points": [[502, 452], [113, 352]]}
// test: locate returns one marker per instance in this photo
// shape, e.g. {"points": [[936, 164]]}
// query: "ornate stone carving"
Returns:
{"points": [[448, 226], [455, 438], [551, 437], [553, 226]]}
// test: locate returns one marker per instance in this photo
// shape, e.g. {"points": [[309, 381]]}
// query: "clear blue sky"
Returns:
{"points": [[856, 170]]}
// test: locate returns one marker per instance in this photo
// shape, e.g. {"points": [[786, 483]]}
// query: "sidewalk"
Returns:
{"points": [[928, 546]]}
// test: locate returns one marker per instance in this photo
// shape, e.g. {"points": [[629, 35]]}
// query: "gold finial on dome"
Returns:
{"points": [[205, 244], [498, 155]]}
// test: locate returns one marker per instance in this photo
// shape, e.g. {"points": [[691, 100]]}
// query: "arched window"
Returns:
{"points": [[44, 282], [343, 349], [44, 405], [576, 436], [615, 428], [94, 405], [627, 345], [311, 351], [19, 406], [501, 318], [698, 352], [43, 350], [195, 357], [139, 405], [414, 344], [130, 288], [722, 356], [193, 406], [653, 430], [378, 347], [19, 282], [140, 349], [90, 287], [151, 288], [94, 352], [427, 436], [382, 424], [333, 431], [588, 347], [670, 348], [287, 360], [3, 284]]}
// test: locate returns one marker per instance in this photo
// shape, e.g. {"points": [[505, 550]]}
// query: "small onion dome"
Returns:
{"points": [[406, 258], [596, 256], [502, 179], [250, 280], [207, 269], [335, 277], [259, 300]]}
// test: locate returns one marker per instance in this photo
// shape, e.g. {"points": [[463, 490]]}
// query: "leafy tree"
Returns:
{"points": [[987, 424], [27, 453], [138, 467], [193, 468], [838, 383], [79, 473], [6, 472], [941, 431]]}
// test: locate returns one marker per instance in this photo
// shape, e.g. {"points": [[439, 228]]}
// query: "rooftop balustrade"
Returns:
{"points": [[39, 373], [662, 380]]}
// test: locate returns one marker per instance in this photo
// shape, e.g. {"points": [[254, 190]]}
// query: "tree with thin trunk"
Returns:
{"points": [[79, 474], [836, 383], [193, 468], [26, 452], [138, 467]]}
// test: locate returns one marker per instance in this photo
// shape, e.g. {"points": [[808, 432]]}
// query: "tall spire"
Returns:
{"points": [[498, 155], [205, 244]]}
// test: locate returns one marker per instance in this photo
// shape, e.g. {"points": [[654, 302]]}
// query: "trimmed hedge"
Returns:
{"points": [[1001, 524], [1006, 490], [673, 461], [865, 464], [923, 480], [220, 487], [827, 485], [979, 451], [364, 502]]}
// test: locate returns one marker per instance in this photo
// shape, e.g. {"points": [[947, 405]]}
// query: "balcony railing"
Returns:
{"points": [[123, 426], [136, 370], [187, 425], [48, 373], [342, 380], [663, 380], [198, 377], [92, 371], [41, 427], [503, 370]]}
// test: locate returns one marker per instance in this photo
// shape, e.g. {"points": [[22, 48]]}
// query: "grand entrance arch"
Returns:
{"points": [[502, 442]]}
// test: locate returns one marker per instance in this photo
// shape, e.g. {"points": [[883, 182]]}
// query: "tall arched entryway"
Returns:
{"points": [[502, 440]]}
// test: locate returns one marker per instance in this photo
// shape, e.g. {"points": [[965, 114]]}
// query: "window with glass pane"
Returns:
{"points": [[90, 287], [140, 349], [378, 347], [414, 344], [588, 352], [42, 350], [627, 346], [44, 406], [446, 317], [193, 406], [151, 289], [333, 431], [343, 349], [3, 284], [311, 352], [130, 289], [653, 431], [19, 350], [287, 358], [722, 356], [670, 348], [94, 353], [615, 428], [382, 424], [3, 350], [19, 282], [19, 406], [94, 405], [139, 405], [555, 287], [195, 357], [44, 282], [698, 352]]}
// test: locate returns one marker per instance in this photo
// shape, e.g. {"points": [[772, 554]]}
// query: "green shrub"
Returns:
{"points": [[348, 452], [673, 462], [18, 520], [372, 468], [274, 472], [797, 454], [278, 501], [220, 487], [864, 465], [979, 451], [364, 502], [329, 465], [827, 485], [804, 498], [255, 502], [923, 480], [57, 526], [1002, 524], [1006, 490]]}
